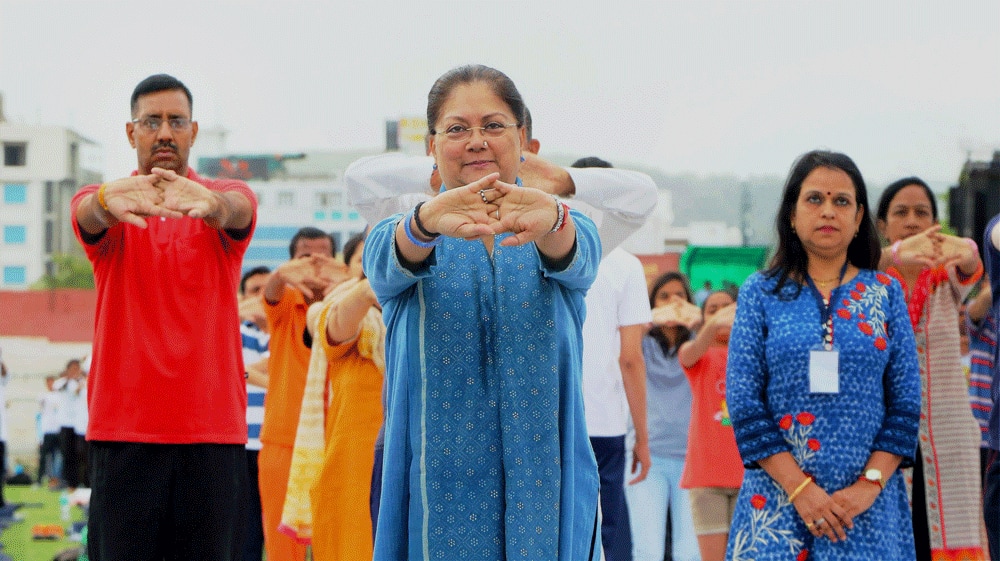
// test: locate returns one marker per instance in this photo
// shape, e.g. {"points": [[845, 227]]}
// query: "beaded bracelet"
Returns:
{"points": [[413, 239], [100, 197]]}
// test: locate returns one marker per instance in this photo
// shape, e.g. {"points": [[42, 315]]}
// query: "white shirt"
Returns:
{"points": [[617, 200], [49, 422], [617, 298]]}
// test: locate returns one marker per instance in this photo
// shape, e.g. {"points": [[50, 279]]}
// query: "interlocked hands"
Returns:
{"points": [[490, 206], [678, 312], [931, 248], [313, 275], [161, 193]]}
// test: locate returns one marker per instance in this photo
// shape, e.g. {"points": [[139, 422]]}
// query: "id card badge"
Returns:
{"points": [[824, 371]]}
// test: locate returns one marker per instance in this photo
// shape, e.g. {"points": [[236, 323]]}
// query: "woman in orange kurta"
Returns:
{"points": [[328, 502]]}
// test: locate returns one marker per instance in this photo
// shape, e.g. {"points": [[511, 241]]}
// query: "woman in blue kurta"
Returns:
{"points": [[482, 288], [823, 383]]}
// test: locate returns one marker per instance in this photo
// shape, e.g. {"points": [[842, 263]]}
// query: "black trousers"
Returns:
{"points": [[167, 502]]}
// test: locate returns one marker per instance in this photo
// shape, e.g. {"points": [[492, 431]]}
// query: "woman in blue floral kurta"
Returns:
{"points": [[818, 448]]}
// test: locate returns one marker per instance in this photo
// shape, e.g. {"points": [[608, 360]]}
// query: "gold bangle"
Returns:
{"points": [[799, 489], [100, 197]]}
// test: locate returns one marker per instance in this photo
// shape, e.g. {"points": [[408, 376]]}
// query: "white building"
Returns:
{"points": [[293, 191], [41, 170]]}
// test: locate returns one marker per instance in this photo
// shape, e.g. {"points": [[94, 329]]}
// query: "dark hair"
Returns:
{"points": [[732, 293], [527, 124], [895, 187], [791, 259], [73, 361], [591, 162], [352, 246], [502, 86], [259, 270], [683, 333], [159, 83], [310, 233]]}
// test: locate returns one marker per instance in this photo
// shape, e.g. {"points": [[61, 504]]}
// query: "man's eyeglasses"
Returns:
{"points": [[459, 133], [153, 124]]}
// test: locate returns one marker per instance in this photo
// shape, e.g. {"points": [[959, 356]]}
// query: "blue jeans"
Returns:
{"points": [[648, 501], [991, 502]]}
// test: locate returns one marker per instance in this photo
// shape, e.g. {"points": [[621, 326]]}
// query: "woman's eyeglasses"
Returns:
{"points": [[459, 133]]}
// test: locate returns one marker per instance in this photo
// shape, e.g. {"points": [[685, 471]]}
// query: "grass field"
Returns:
{"points": [[42, 507]]}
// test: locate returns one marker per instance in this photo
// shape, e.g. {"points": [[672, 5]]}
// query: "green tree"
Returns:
{"points": [[70, 271]]}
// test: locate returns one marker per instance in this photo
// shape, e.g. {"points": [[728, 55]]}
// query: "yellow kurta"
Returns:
{"points": [[342, 528]]}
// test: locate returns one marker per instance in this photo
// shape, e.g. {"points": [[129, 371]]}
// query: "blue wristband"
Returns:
{"points": [[413, 239]]}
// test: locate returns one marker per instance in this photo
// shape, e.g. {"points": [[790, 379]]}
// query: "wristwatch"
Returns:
{"points": [[874, 476]]}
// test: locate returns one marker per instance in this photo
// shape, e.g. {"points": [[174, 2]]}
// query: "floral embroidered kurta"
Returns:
{"points": [[831, 436], [486, 448]]}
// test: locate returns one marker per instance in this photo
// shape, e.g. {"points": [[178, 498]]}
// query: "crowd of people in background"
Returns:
{"points": [[485, 374]]}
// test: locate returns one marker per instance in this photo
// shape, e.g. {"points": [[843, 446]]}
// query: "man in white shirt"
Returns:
{"points": [[614, 384]]}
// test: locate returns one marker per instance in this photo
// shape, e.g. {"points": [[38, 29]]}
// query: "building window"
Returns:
{"points": [[328, 199], [50, 197], [286, 198], [50, 237], [15, 193], [15, 235], [319, 215], [15, 154], [15, 275]]}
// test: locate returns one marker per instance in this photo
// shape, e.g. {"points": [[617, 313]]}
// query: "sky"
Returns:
{"points": [[705, 87]]}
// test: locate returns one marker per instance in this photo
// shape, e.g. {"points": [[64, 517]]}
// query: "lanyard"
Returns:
{"points": [[825, 307]]}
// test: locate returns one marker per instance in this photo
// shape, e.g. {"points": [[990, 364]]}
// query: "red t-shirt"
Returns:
{"points": [[712, 457], [167, 360]]}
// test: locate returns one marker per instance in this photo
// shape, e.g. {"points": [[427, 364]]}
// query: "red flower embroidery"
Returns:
{"points": [[805, 418], [786, 422], [856, 295], [860, 286], [758, 501], [803, 555], [865, 328], [880, 343], [844, 313], [861, 315], [845, 302], [884, 279], [813, 444]]}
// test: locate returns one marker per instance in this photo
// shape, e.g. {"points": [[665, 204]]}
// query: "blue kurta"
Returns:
{"points": [[486, 448], [831, 436]]}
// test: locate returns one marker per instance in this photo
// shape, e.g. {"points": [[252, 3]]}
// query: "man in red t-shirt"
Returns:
{"points": [[166, 391]]}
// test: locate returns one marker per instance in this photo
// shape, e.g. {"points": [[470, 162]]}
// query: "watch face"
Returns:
{"points": [[874, 475]]}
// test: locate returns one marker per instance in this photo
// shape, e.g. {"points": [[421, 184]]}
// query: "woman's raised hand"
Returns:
{"points": [[923, 249], [958, 252], [525, 212], [464, 212]]}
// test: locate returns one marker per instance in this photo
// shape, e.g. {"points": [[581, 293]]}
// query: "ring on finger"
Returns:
{"points": [[482, 195], [809, 525], [820, 521]]}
